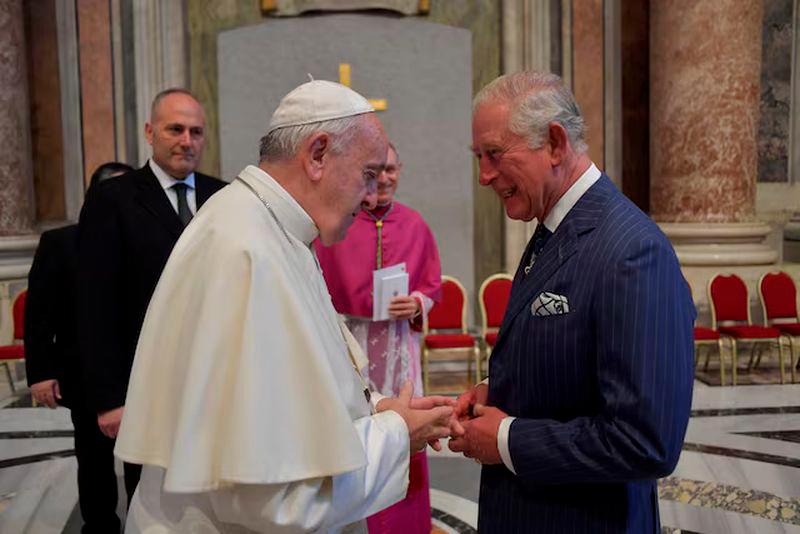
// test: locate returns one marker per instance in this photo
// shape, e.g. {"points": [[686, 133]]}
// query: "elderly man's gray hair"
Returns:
{"points": [[283, 143], [536, 99]]}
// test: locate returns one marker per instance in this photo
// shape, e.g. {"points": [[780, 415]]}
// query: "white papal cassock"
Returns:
{"points": [[244, 405]]}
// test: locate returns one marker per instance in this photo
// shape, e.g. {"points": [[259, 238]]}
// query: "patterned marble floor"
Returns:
{"points": [[739, 471]]}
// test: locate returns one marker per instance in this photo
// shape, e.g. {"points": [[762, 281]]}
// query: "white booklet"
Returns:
{"points": [[387, 283]]}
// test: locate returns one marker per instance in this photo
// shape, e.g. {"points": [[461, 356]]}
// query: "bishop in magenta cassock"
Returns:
{"points": [[391, 233]]}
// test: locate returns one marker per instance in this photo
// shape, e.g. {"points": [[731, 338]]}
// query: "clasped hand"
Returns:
{"points": [[471, 425], [474, 426], [428, 418]]}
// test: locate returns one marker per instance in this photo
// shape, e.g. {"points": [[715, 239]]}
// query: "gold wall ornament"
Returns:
{"points": [[380, 104], [290, 8]]}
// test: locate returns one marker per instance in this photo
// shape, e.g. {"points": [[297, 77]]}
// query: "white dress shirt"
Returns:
{"points": [[551, 222], [168, 181]]}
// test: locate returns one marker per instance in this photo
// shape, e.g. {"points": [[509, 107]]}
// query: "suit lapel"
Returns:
{"points": [[151, 196], [582, 218], [557, 250], [202, 190]]}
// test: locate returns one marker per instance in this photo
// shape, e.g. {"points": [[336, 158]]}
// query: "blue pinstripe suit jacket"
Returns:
{"points": [[602, 393]]}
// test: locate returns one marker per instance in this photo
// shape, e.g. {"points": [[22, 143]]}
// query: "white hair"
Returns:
{"points": [[283, 143], [536, 99]]}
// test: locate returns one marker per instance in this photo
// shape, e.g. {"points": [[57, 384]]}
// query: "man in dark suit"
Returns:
{"points": [[590, 381], [128, 227], [53, 365]]}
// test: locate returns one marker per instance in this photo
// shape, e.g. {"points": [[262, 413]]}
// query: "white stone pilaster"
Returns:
{"points": [[160, 53], [526, 45]]}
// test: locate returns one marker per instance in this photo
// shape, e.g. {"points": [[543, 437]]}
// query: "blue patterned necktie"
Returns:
{"points": [[539, 239], [184, 213]]}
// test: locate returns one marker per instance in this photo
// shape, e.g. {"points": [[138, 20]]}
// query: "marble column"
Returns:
{"points": [[705, 67], [526, 26], [16, 173], [160, 57]]}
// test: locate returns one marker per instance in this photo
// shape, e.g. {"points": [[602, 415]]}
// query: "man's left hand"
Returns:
{"points": [[403, 308], [479, 440]]}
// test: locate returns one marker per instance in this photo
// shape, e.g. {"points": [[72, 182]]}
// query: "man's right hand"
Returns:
{"points": [[424, 425], [46, 392], [477, 394], [109, 421]]}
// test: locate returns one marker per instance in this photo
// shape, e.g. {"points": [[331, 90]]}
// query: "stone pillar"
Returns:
{"points": [[705, 67], [160, 55], [16, 191], [526, 44]]}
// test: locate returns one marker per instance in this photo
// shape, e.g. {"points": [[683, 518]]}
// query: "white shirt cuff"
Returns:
{"points": [[375, 398], [502, 442]]}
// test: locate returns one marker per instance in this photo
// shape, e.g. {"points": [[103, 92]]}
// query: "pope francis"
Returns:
{"points": [[246, 405]]}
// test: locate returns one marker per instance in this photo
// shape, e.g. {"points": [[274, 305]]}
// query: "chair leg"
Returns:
{"points": [[791, 359], [752, 360], [478, 353], [425, 385], [734, 361], [708, 357], [469, 367], [721, 362], [760, 352], [780, 361], [10, 378]]}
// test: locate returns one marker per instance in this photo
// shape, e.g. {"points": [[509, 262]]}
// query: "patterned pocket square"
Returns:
{"points": [[549, 304]]}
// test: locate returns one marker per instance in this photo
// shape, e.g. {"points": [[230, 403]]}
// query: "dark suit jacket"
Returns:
{"points": [[127, 230], [602, 393], [51, 326]]}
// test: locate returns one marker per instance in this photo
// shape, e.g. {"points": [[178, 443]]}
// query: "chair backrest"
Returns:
{"points": [[18, 312], [729, 300], [493, 296], [778, 296], [451, 311]]}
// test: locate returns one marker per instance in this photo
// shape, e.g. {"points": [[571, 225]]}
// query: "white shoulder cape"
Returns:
{"points": [[240, 374]]}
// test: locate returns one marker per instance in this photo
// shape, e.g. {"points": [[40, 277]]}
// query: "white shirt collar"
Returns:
{"points": [[166, 180], [571, 197], [290, 214]]}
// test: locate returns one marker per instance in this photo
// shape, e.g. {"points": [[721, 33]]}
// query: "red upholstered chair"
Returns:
{"points": [[779, 302], [15, 352], [730, 309], [446, 329], [707, 338], [493, 297]]}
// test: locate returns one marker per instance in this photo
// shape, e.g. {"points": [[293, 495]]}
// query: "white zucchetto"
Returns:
{"points": [[317, 101]]}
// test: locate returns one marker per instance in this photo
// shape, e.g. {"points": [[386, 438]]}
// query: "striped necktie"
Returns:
{"points": [[184, 213]]}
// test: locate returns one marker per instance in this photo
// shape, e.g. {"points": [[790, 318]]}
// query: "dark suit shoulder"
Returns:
{"points": [[627, 225], [60, 235], [124, 184], [204, 180]]}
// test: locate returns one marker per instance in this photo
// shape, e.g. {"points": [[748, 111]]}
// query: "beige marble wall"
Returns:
{"points": [[704, 78], [16, 202], [588, 72], [481, 17], [97, 84], [45, 95]]}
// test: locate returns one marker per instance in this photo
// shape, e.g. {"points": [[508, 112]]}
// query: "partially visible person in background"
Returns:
{"points": [[53, 364], [127, 230], [391, 233]]}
